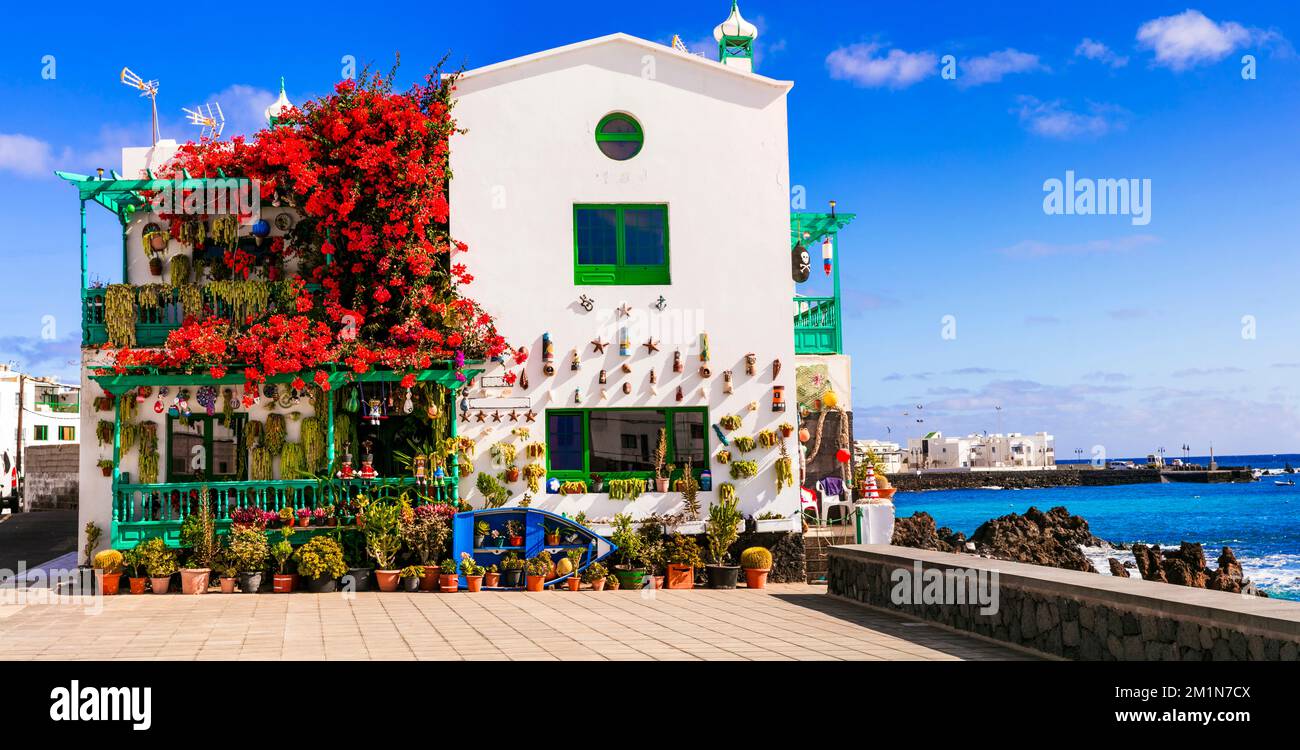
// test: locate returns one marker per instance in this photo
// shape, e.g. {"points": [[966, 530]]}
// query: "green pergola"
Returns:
{"points": [[819, 327]]}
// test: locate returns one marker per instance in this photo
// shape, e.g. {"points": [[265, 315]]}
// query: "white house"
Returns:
{"points": [[629, 203], [33, 411], [1010, 451]]}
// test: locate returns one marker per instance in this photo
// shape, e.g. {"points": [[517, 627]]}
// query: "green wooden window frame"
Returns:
{"points": [[637, 136], [620, 271], [584, 474], [40, 432], [67, 432], [240, 420]]}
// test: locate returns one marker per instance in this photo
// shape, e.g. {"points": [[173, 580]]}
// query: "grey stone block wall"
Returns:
{"points": [[50, 476], [1082, 616]]}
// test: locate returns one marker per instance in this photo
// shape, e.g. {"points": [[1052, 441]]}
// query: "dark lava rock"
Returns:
{"points": [[1186, 566], [1116, 568], [919, 532], [1052, 538]]}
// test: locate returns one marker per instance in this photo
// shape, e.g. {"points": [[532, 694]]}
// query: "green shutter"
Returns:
{"points": [[622, 272]]}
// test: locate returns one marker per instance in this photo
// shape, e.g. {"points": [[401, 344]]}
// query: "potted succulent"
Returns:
{"points": [[410, 577], [472, 571], [448, 580], [281, 552], [320, 561], [491, 576], [512, 571], [320, 516], [574, 556], [249, 550], [105, 466], [108, 569], [198, 533], [787, 429], [683, 554], [720, 531], [383, 542], [661, 456], [539, 568], [304, 517], [133, 561], [481, 530], [757, 562], [514, 533], [594, 574], [611, 582], [285, 515], [159, 564], [631, 573], [552, 534], [227, 571]]}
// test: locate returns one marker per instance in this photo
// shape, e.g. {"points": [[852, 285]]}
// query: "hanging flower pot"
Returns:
{"points": [[512, 474], [155, 266]]}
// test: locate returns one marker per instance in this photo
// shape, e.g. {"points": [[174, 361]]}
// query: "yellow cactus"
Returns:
{"points": [[756, 558], [109, 561]]}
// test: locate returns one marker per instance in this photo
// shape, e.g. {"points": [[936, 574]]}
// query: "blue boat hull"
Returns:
{"points": [[534, 524]]}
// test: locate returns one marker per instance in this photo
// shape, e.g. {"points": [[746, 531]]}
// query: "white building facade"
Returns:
{"points": [[49, 416], [975, 452]]}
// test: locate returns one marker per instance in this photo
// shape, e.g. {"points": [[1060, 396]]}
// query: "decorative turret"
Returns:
{"points": [[278, 107], [735, 38]]}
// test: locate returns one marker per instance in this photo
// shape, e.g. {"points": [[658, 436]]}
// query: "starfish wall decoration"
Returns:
{"points": [[651, 346], [598, 346]]}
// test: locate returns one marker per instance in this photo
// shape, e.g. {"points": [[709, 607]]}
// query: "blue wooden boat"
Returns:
{"points": [[534, 524]]}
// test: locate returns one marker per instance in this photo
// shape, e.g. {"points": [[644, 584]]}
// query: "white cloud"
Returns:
{"points": [[864, 65], [1040, 249], [244, 107], [992, 67], [1098, 52], [1053, 120], [25, 155], [1189, 39]]}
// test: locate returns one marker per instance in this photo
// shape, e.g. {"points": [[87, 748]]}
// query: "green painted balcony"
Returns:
{"points": [[817, 328], [144, 511]]}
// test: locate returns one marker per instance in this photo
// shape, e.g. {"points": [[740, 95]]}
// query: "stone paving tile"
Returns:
{"points": [[784, 623]]}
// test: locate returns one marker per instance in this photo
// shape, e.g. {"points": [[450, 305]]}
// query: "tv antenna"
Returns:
{"points": [[210, 124], [146, 88]]}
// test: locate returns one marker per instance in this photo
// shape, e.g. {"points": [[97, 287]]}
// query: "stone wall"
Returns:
{"points": [[1060, 477], [1075, 615], [50, 477], [824, 463], [789, 563]]}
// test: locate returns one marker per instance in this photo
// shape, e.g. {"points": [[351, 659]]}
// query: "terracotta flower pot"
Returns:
{"points": [[473, 584], [659, 581], [160, 585], [109, 583], [136, 585], [661, 484], [613, 585], [304, 522], [388, 580], [195, 580], [552, 540], [448, 584], [155, 266], [108, 470], [516, 541], [491, 580], [756, 578], [228, 585], [429, 582], [535, 583], [681, 577], [512, 474], [282, 583], [787, 431], [574, 583], [598, 584]]}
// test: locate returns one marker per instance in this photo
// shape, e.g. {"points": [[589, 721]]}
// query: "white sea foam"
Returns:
{"points": [[1278, 573]]}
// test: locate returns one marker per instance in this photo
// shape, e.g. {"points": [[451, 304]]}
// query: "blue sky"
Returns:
{"points": [[1089, 327]]}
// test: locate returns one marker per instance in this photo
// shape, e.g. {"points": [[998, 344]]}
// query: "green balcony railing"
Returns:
{"points": [[143, 511], [152, 321], [817, 326]]}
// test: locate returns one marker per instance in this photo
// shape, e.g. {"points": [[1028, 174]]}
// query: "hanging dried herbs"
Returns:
{"points": [[274, 432], [191, 298], [253, 432], [313, 443], [293, 461], [149, 453], [130, 435], [259, 465], [119, 314]]}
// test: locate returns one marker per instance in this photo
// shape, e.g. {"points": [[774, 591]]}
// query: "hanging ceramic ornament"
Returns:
{"points": [[654, 383], [627, 387], [704, 356], [577, 395], [776, 368], [604, 377], [574, 363], [726, 383], [523, 380], [626, 368], [722, 436], [677, 361], [548, 355], [604, 394], [753, 406], [704, 391], [624, 342], [778, 398], [751, 361], [680, 395], [408, 406]]}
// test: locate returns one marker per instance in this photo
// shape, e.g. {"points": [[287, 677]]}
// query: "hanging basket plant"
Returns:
{"points": [[104, 432], [149, 453], [181, 270], [119, 314], [273, 436]]}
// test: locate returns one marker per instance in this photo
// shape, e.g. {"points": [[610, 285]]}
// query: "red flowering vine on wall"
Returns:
{"points": [[368, 170]]}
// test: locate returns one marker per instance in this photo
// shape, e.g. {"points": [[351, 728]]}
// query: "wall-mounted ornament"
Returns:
{"points": [[680, 396], [283, 222], [627, 387], [722, 436], [677, 361], [751, 362], [651, 346], [598, 346], [604, 377], [727, 387], [661, 303], [776, 368], [481, 416], [827, 253], [548, 355], [496, 416], [654, 377], [575, 363], [800, 264], [753, 406], [625, 310], [587, 303], [704, 347], [778, 398], [624, 342], [514, 416], [531, 416], [521, 355], [577, 395], [626, 368], [408, 406], [523, 380], [604, 394]]}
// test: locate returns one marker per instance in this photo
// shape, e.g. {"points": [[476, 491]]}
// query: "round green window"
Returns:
{"points": [[619, 137]]}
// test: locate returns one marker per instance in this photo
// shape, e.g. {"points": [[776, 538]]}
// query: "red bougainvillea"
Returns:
{"points": [[367, 169]]}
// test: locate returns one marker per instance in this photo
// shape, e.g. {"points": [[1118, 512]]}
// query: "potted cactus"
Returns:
{"points": [[108, 566], [720, 531], [661, 458], [757, 562], [574, 556]]}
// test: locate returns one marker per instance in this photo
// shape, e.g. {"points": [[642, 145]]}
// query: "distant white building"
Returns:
{"points": [[46, 409], [890, 454], [980, 452]]}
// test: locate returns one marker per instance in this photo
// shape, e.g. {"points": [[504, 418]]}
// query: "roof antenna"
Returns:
{"points": [[146, 88]]}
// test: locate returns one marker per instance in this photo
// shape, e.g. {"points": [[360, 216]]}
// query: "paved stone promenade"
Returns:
{"points": [[786, 622]]}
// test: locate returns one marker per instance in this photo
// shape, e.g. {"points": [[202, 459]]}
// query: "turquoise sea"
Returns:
{"points": [[1259, 520]]}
